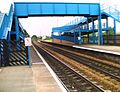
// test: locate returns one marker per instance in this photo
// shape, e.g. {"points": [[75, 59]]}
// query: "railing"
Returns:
{"points": [[2, 26], [1, 18], [76, 21], [6, 24], [112, 11], [66, 38]]}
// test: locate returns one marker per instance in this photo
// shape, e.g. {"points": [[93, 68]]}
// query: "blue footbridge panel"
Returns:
{"points": [[82, 25], [6, 23], [25, 9]]}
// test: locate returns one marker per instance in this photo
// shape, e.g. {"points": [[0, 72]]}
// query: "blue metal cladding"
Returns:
{"points": [[21, 9], [94, 9], [6, 24], [24, 9]]}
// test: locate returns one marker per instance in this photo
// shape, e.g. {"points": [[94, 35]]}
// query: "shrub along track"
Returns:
{"points": [[98, 77]]}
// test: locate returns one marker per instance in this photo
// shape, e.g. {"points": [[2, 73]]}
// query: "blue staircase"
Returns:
{"points": [[111, 12], [1, 18], [107, 12], [6, 23]]}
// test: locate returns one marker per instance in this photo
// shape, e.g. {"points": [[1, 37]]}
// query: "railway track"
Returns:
{"points": [[74, 81], [109, 70]]}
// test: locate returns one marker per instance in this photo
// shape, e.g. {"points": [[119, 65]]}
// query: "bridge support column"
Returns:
{"points": [[17, 28], [88, 30], [9, 35], [114, 32], [93, 34], [29, 63], [74, 37], [60, 34], [107, 32], [100, 38], [52, 37]]}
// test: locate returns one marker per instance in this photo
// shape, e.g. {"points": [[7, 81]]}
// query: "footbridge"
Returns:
{"points": [[12, 33], [80, 29]]}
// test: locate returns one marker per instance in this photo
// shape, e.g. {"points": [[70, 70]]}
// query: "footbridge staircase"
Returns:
{"points": [[12, 47], [75, 25], [112, 12]]}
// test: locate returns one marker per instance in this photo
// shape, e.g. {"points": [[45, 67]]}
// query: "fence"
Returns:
{"points": [[13, 53], [111, 40]]}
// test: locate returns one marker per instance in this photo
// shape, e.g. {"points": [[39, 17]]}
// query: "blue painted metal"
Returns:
{"points": [[2, 26], [6, 24], [93, 34], [88, 29], [66, 38], [72, 26], [100, 39], [29, 56], [63, 28], [80, 37], [60, 34], [107, 22], [114, 32], [107, 33], [25, 9], [9, 36], [74, 37], [17, 28], [111, 12]]}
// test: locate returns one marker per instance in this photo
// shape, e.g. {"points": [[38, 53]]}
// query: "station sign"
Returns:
{"points": [[28, 41]]}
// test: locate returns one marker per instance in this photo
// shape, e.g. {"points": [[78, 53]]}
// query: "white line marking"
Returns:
{"points": [[51, 71], [109, 52]]}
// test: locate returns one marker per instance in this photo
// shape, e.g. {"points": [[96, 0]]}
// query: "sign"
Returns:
{"points": [[28, 41]]}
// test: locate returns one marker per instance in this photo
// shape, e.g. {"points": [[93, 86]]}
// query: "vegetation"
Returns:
{"points": [[48, 38], [111, 32], [26, 33], [34, 37]]}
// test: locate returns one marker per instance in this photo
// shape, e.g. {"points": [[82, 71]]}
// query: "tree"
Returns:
{"points": [[48, 38], [26, 33], [34, 37], [110, 32]]}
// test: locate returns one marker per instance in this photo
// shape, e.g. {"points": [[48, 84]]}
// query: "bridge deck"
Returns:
{"points": [[25, 9]]}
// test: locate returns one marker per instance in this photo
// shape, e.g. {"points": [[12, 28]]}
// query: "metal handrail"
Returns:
{"points": [[6, 24], [112, 11]]}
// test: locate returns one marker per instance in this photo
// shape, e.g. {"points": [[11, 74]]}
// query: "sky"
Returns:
{"points": [[43, 25]]}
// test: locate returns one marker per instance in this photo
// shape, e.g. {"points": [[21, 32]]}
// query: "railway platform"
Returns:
{"points": [[25, 79], [103, 47], [91, 46]]}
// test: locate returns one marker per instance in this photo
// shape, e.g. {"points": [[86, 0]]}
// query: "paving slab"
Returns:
{"points": [[103, 47], [26, 79], [43, 78], [17, 79]]}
